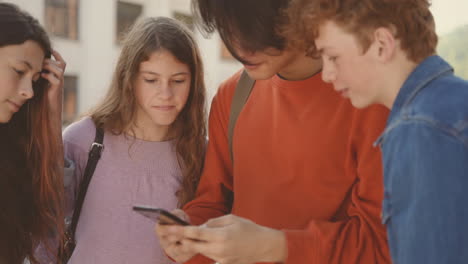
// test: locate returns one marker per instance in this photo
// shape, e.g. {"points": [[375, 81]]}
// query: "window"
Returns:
{"points": [[61, 18], [70, 99], [127, 14], [186, 19]]}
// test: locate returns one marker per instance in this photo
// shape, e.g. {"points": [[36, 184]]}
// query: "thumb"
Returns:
{"points": [[181, 214], [221, 221]]}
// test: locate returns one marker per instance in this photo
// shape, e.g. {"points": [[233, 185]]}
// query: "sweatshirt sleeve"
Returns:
{"points": [[356, 234], [216, 182]]}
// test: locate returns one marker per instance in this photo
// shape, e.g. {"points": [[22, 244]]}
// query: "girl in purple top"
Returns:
{"points": [[153, 117]]}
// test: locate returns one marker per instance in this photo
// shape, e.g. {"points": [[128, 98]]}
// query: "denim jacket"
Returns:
{"points": [[425, 155]]}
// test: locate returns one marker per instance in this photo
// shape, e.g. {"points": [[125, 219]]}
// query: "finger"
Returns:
{"points": [[200, 233], [164, 243], [167, 242], [54, 69], [181, 214], [180, 253], [205, 248], [58, 57], [173, 252], [221, 221], [164, 230], [161, 230], [59, 61], [173, 239], [58, 64], [51, 78]]}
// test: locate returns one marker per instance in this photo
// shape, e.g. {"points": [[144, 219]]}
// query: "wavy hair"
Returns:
{"points": [[117, 110], [411, 19]]}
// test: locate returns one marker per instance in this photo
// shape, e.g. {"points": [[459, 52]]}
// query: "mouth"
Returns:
{"points": [[252, 66], [15, 106], [165, 108]]}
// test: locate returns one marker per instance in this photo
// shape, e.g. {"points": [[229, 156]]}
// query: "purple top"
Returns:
{"points": [[131, 171]]}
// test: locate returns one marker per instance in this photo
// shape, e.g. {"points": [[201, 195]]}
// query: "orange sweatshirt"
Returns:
{"points": [[303, 163]]}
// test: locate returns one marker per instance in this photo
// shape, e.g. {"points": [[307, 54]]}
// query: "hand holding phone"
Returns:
{"points": [[159, 215]]}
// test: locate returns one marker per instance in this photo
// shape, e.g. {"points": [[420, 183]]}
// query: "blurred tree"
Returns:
{"points": [[453, 48]]}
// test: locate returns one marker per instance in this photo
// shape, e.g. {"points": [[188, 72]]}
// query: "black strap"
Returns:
{"points": [[241, 94], [93, 158]]}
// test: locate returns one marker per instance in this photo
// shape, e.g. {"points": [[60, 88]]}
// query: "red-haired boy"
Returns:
{"points": [[383, 52]]}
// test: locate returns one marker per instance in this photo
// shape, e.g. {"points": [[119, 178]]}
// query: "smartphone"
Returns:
{"points": [[158, 214]]}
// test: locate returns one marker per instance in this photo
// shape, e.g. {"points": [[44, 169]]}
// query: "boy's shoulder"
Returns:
{"points": [[227, 87], [224, 95], [443, 103], [80, 133]]}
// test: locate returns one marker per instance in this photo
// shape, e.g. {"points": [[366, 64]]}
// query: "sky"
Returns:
{"points": [[449, 14]]}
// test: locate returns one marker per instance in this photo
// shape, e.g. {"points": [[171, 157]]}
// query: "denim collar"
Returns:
{"points": [[428, 70]]}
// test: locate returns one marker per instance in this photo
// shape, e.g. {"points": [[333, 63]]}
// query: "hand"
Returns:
{"points": [[55, 77], [172, 242], [234, 240]]}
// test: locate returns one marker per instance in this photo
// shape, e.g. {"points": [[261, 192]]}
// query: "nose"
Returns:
{"points": [[328, 72], [165, 90], [242, 53], [26, 90]]}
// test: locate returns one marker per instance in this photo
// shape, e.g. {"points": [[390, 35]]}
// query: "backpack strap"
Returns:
{"points": [[93, 158], [241, 94]]}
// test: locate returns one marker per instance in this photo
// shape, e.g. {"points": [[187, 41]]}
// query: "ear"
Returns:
{"points": [[385, 43]]}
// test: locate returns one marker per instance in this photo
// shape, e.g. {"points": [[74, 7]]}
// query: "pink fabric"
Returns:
{"points": [[130, 172]]}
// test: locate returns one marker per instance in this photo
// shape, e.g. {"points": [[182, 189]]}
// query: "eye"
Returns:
{"points": [[179, 81], [19, 72], [332, 58], [149, 80]]}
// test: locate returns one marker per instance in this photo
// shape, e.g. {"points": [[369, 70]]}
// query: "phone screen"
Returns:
{"points": [[159, 215]]}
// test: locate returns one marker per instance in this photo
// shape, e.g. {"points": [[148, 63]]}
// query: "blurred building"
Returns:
{"points": [[87, 33]]}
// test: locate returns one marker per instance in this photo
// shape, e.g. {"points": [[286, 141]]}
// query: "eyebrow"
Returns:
{"points": [[28, 65], [323, 49], [326, 49], [155, 73]]}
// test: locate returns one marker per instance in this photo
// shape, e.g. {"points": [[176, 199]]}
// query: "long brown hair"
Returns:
{"points": [[31, 159], [117, 110]]}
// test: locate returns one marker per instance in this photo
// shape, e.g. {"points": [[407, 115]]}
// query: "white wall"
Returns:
{"points": [[93, 56]]}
